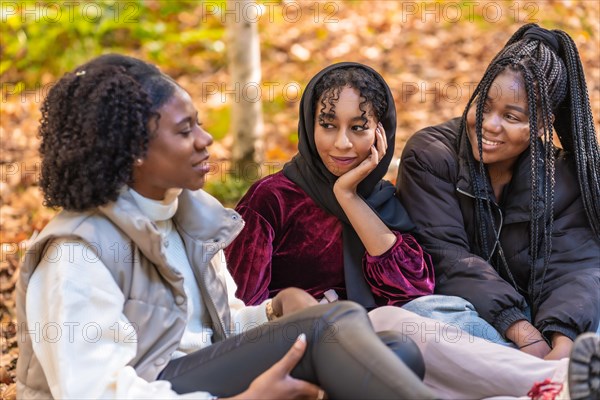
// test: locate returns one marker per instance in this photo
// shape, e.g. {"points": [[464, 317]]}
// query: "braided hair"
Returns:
{"points": [[94, 126], [555, 84]]}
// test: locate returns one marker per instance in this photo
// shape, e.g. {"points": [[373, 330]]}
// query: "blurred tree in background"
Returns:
{"points": [[243, 50], [432, 53]]}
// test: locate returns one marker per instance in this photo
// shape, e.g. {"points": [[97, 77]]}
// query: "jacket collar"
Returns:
{"points": [[199, 217], [204, 219]]}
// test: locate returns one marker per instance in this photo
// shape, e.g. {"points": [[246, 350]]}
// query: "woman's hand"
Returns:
{"points": [[561, 347], [291, 300], [528, 339], [276, 382], [373, 233], [538, 348], [348, 182]]}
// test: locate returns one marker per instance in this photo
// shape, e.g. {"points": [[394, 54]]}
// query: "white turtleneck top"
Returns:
{"points": [[197, 334], [77, 325]]}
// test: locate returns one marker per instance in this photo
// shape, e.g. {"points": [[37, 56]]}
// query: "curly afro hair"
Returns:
{"points": [[372, 92], [94, 126]]}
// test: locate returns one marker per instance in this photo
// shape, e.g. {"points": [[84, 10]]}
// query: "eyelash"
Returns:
{"points": [[356, 128], [186, 133], [510, 117]]}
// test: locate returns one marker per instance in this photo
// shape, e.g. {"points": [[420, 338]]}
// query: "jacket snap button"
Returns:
{"points": [[179, 300], [159, 361]]}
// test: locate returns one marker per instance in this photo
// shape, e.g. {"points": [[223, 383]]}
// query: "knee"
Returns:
{"points": [[335, 317], [405, 349], [343, 309]]}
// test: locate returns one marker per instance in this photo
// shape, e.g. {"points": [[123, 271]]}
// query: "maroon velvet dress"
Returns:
{"points": [[289, 241]]}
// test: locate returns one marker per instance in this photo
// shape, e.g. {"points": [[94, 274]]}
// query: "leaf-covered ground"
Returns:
{"points": [[431, 54]]}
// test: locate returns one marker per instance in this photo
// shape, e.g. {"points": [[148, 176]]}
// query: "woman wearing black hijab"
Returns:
{"points": [[328, 222]]}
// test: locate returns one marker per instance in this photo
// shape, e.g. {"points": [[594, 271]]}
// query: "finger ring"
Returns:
{"points": [[320, 394]]}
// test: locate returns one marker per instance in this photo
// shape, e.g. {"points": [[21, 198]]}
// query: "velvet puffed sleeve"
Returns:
{"points": [[401, 274], [249, 257]]}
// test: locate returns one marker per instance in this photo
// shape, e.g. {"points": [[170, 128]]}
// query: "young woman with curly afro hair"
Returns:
{"points": [[132, 275]]}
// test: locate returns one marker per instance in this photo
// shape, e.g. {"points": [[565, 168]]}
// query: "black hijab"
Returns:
{"points": [[309, 172]]}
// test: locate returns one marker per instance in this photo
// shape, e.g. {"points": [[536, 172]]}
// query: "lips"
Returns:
{"points": [[489, 142], [343, 160], [201, 166]]}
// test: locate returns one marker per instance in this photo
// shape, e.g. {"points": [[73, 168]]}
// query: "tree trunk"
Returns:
{"points": [[243, 49]]}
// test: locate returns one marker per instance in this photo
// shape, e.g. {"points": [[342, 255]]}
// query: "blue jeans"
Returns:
{"points": [[459, 312]]}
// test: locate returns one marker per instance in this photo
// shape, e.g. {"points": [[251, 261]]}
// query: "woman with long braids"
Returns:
{"points": [[513, 222]]}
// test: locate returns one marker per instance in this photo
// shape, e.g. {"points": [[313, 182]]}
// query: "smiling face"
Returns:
{"points": [[344, 137], [177, 153], [505, 126]]}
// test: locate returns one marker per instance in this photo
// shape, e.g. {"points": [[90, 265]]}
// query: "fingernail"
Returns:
{"points": [[301, 338]]}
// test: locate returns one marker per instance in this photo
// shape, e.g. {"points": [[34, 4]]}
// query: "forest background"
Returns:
{"points": [[431, 53]]}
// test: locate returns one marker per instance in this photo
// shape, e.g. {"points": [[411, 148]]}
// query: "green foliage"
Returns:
{"points": [[229, 190], [218, 122], [274, 105], [40, 40]]}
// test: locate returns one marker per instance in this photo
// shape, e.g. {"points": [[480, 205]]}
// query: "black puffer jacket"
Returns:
{"points": [[435, 186]]}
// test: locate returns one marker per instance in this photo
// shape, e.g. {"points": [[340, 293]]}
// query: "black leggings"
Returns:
{"points": [[344, 356], [406, 349]]}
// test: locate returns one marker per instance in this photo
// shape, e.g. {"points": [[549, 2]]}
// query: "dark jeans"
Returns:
{"points": [[344, 356]]}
